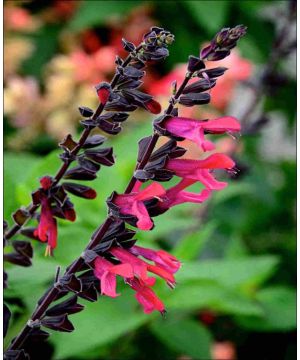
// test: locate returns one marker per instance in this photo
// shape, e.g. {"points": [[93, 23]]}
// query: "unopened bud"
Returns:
{"points": [[103, 91]]}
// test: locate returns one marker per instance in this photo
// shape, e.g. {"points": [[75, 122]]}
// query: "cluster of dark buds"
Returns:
{"points": [[222, 43], [112, 250]]}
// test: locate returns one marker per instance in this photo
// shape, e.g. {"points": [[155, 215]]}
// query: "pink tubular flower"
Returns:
{"points": [[106, 272], [132, 204], [176, 195], [163, 273], [194, 129], [140, 267], [199, 170], [47, 228], [159, 257], [146, 296]]}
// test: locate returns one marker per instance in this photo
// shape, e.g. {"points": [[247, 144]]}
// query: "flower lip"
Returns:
{"points": [[185, 128], [47, 227], [159, 257], [200, 170], [106, 272], [131, 207], [146, 297]]}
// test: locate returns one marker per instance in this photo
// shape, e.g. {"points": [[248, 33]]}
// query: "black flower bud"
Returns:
{"points": [[195, 64], [223, 42]]}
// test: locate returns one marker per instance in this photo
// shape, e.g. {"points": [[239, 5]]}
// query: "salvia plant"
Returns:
{"points": [[112, 249]]}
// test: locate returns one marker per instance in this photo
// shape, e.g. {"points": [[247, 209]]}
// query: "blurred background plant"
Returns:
{"points": [[236, 290]]}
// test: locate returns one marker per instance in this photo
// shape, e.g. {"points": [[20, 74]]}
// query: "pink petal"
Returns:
{"points": [[154, 189], [199, 138], [47, 228], [207, 179], [160, 257], [52, 234], [144, 221], [217, 161], [108, 284], [150, 281], [183, 167], [223, 124], [101, 266], [124, 270], [180, 126], [147, 305], [149, 300], [194, 197], [163, 273], [168, 261], [139, 266], [137, 187], [185, 196]]}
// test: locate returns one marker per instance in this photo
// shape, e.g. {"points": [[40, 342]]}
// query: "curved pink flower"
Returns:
{"points": [[47, 228], [106, 272], [163, 273], [146, 296], [199, 170], [176, 195], [159, 257], [141, 267], [195, 130], [133, 204]]}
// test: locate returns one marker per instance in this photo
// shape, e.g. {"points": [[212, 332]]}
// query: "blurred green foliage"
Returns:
{"points": [[238, 259]]}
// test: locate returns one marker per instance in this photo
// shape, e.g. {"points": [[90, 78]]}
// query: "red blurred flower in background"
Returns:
{"points": [[239, 69]]}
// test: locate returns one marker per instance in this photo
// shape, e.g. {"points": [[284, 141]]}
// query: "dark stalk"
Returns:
{"points": [[100, 232]]}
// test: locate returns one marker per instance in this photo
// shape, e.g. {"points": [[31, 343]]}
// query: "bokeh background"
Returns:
{"points": [[235, 297]]}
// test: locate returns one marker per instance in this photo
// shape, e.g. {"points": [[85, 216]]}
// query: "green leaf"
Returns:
{"points": [[93, 13], [209, 295], [235, 248], [191, 245], [47, 165], [260, 33], [73, 238], [236, 190], [16, 169], [171, 224], [246, 272], [250, 50], [211, 15], [21, 282], [279, 310], [100, 323], [252, 6], [185, 336]]}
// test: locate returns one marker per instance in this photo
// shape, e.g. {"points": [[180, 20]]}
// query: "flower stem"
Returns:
{"points": [[99, 234]]}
